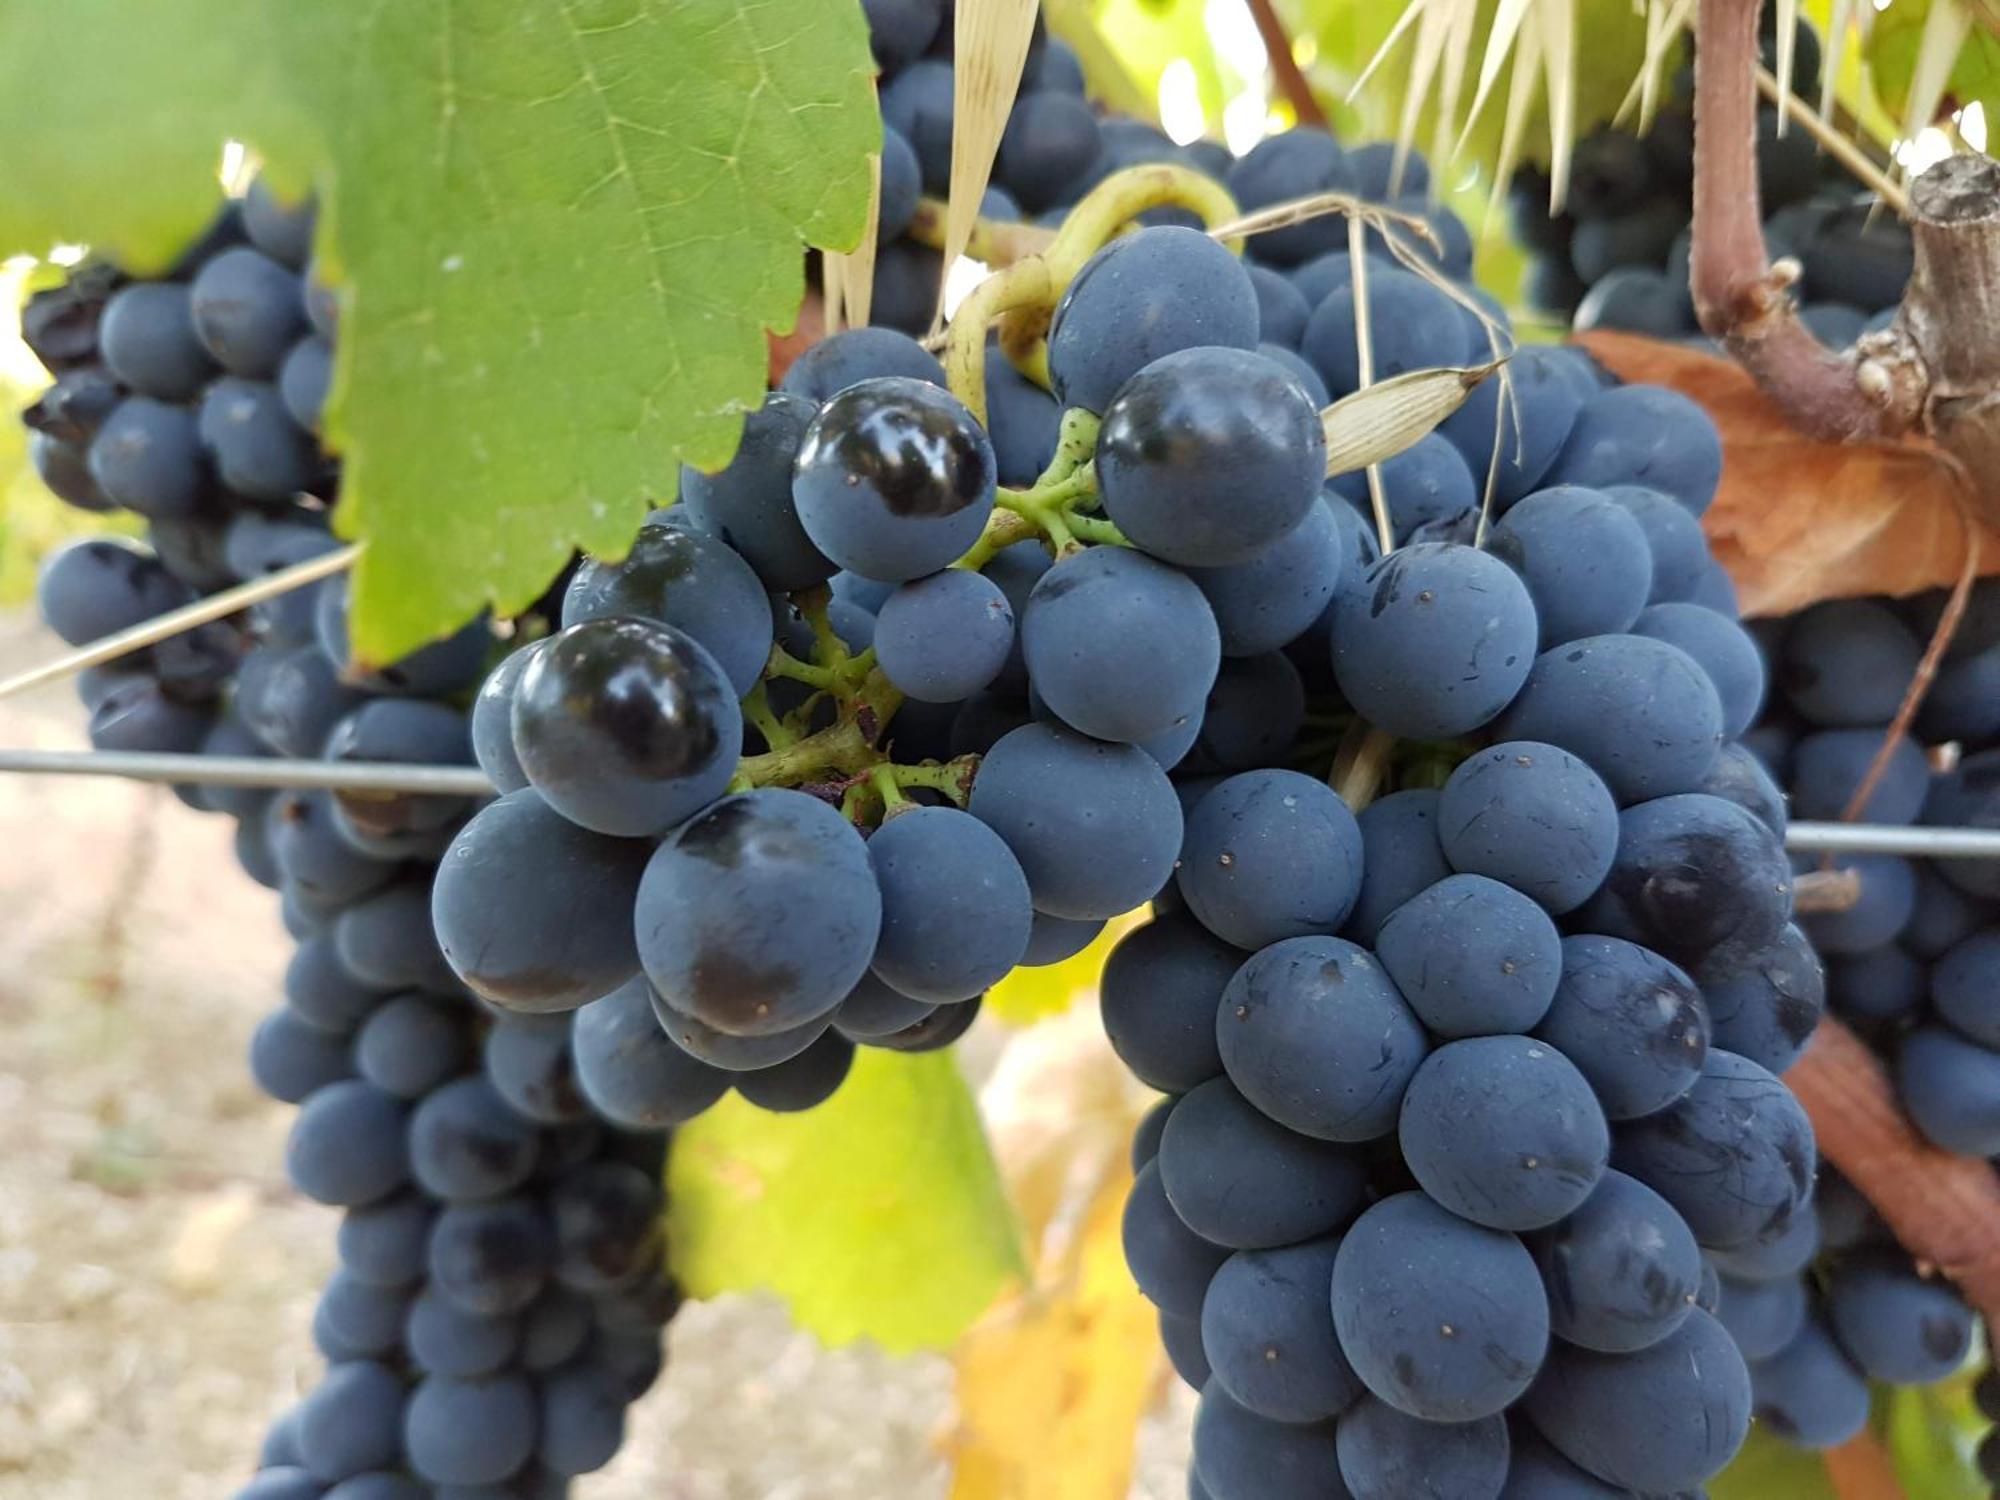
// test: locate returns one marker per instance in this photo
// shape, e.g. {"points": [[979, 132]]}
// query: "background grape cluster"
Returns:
{"points": [[1617, 256]]}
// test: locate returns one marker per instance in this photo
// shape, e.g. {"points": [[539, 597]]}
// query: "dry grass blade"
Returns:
{"points": [[856, 268], [1946, 28], [1520, 96], [1558, 32], [1665, 21], [1319, 206], [1834, 50], [1835, 144], [991, 44], [1788, 39], [1434, 33], [1412, 13], [1451, 89], [1382, 420], [1364, 374], [1500, 39]]}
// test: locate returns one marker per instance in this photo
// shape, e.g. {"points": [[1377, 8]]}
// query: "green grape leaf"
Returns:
{"points": [[1932, 1432], [115, 113], [560, 227], [879, 1215], [1767, 1469], [1894, 42]]}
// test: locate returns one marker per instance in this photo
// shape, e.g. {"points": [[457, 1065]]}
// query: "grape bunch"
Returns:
{"points": [[501, 1289], [1056, 147], [1617, 256]]}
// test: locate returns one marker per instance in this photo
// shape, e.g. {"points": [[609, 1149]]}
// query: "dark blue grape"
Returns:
{"points": [[1640, 712], [1735, 1155], [1435, 642], [466, 1144], [1267, 1333], [955, 910], [1882, 986], [1680, 551], [1472, 957], [902, 186], [147, 457], [312, 855], [1763, 1316], [1535, 1471], [491, 1258], [1315, 1035], [1051, 137], [350, 1423], [257, 448], [534, 912], [1427, 482], [1442, 1319], [1694, 873], [446, 1339], [1182, 1340], [282, 229], [147, 339], [1809, 1394], [1096, 827], [387, 939], [1829, 766], [918, 103], [1171, 1263], [348, 1145], [582, 1423], [872, 1010], [1150, 294], [1664, 1419], [1847, 662], [1622, 1271], [412, 1044], [696, 583], [357, 1319], [1269, 855], [803, 1082], [1722, 648], [1886, 903], [1399, 835], [631, 1071], [1294, 164], [1547, 399], [1532, 816], [1273, 599], [1238, 1178], [1210, 455], [748, 505], [1587, 564], [1503, 1131], [1282, 309], [1631, 1022], [470, 1431], [627, 726], [1022, 419], [1161, 995], [1739, 776], [291, 1060], [943, 638], [1252, 717], [760, 914], [1897, 1326], [138, 714], [1414, 326], [1764, 1002], [247, 311], [493, 720], [384, 1242], [1644, 435], [1788, 1252], [894, 479], [1239, 1455], [1385, 1455], [528, 1059]]}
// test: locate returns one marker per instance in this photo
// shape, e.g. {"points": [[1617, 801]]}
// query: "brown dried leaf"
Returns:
{"points": [[1796, 520]]}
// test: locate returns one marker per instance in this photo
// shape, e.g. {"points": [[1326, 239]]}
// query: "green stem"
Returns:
{"points": [[1076, 444], [757, 710], [883, 779], [1097, 532], [784, 664], [952, 778]]}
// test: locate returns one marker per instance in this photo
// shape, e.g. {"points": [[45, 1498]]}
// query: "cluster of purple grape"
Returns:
{"points": [[1617, 256], [501, 1290]]}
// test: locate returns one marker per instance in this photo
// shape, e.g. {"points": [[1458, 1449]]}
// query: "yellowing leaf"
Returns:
{"points": [[878, 1215], [1797, 520], [1029, 995], [1052, 1384]]}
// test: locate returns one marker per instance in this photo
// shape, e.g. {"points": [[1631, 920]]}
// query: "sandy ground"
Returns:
{"points": [[156, 1274]]}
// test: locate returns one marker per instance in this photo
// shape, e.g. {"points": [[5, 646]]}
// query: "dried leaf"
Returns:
{"points": [[1796, 520], [1053, 1381], [1381, 421]]}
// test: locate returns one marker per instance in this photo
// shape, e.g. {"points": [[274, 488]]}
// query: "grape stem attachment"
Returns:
{"points": [[1034, 285], [1051, 508]]}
